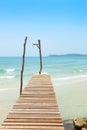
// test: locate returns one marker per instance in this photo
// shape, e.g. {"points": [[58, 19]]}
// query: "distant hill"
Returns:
{"points": [[67, 55]]}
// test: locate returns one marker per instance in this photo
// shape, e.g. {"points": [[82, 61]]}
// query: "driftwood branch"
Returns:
{"points": [[23, 61]]}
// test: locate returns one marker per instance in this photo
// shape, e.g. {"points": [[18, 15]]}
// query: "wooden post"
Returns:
{"points": [[23, 61], [39, 47], [40, 56]]}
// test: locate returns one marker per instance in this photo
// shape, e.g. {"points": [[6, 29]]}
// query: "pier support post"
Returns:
{"points": [[40, 56], [23, 61], [39, 47]]}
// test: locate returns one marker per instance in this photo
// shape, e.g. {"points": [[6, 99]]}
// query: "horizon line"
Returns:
{"points": [[67, 54]]}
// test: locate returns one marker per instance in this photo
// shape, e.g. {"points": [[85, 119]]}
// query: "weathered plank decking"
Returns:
{"points": [[36, 108]]}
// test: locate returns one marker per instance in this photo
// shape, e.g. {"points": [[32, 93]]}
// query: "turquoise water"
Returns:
{"points": [[60, 68]]}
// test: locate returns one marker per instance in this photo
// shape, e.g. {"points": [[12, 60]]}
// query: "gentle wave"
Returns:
{"points": [[7, 77], [81, 70], [7, 70], [10, 70], [71, 77], [75, 71]]}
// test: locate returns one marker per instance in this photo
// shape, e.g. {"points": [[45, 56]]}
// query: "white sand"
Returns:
{"points": [[8, 98], [72, 96]]}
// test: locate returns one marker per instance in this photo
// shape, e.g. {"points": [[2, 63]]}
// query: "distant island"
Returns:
{"points": [[67, 55]]}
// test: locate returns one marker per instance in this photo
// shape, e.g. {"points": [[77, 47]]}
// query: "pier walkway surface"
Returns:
{"points": [[36, 108]]}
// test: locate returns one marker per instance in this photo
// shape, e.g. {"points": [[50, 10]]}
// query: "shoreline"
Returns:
{"points": [[74, 77]]}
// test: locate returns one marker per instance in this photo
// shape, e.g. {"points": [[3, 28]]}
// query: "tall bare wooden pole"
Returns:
{"points": [[40, 56], [23, 61], [39, 47]]}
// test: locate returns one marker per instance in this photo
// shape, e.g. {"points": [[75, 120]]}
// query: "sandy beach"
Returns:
{"points": [[71, 96], [7, 100]]}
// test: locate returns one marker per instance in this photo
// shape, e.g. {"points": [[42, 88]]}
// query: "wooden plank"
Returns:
{"points": [[36, 108], [22, 99], [38, 96], [32, 115], [53, 128], [37, 104], [41, 88], [33, 127], [30, 111], [35, 120], [31, 124], [36, 101], [38, 93]]}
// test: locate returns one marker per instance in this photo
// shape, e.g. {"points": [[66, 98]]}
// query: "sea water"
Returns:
{"points": [[61, 68]]}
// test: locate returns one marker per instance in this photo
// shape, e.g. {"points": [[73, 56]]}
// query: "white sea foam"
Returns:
{"points": [[7, 77], [71, 77], [10, 70], [75, 71], [43, 73], [81, 70]]}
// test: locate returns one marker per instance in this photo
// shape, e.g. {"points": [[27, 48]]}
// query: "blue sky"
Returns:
{"points": [[61, 25]]}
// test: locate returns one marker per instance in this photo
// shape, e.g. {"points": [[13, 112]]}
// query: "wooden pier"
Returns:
{"points": [[36, 108]]}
